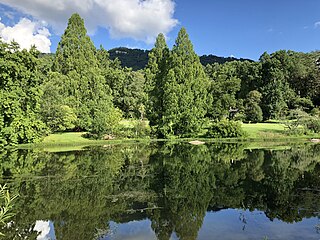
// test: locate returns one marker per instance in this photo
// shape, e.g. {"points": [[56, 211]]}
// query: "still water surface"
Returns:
{"points": [[165, 191]]}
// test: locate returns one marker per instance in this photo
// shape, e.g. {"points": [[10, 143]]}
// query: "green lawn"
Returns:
{"points": [[264, 130], [59, 142], [69, 138]]}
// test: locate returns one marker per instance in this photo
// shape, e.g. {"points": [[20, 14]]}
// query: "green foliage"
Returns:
{"points": [[223, 89], [313, 124], [315, 112], [20, 95], [286, 77], [250, 74], [301, 122], [225, 129], [6, 205], [134, 129], [105, 123], [155, 80], [295, 122], [63, 119], [142, 129], [253, 111], [83, 88], [127, 86], [137, 59], [178, 88], [275, 97], [75, 51], [303, 103]]}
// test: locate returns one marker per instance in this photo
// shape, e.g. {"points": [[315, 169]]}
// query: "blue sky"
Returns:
{"points": [[242, 28]]}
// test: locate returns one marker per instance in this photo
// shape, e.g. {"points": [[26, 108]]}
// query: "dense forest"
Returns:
{"points": [[80, 88]]}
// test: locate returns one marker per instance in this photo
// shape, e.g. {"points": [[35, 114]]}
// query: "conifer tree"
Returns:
{"points": [[85, 89], [75, 51], [155, 75], [184, 91]]}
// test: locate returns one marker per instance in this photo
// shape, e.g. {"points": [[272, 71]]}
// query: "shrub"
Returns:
{"points": [[225, 129], [302, 123], [315, 112], [137, 129], [141, 129], [313, 124], [253, 113]]}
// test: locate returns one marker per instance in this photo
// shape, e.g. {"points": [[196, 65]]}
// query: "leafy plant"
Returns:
{"points": [[6, 205], [301, 123], [225, 129]]}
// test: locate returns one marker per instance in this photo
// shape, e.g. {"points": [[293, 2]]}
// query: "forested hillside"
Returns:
{"points": [[81, 88], [137, 59]]}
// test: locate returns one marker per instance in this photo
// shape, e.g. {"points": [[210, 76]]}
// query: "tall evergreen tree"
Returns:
{"points": [[85, 89], [184, 89], [155, 74], [75, 51]]}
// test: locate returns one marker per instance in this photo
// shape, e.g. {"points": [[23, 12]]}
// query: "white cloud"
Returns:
{"points": [[27, 33], [317, 24], [137, 19]]}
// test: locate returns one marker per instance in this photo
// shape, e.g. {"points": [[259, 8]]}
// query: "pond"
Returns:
{"points": [[165, 191]]}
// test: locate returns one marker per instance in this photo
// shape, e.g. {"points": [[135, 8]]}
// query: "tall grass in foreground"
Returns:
{"points": [[6, 201]]}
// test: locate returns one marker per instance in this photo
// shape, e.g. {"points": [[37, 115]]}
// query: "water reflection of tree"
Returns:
{"points": [[173, 185], [80, 196], [184, 180]]}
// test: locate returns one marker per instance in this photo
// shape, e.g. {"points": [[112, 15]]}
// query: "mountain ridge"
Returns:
{"points": [[138, 58]]}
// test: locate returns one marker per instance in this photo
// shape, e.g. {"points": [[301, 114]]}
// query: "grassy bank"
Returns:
{"points": [[270, 134], [72, 141], [264, 130]]}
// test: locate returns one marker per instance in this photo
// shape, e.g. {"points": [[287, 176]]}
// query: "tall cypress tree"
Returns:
{"points": [[84, 89], [184, 90], [75, 51], [155, 74]]}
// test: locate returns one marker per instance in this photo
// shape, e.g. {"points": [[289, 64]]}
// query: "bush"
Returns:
{"points": [[225, 129], [105, 122], [253, 113], [313, 124], [142, 129], [300, 123], [60, 118], [137, 129], [23, 130], [315, 112]]}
